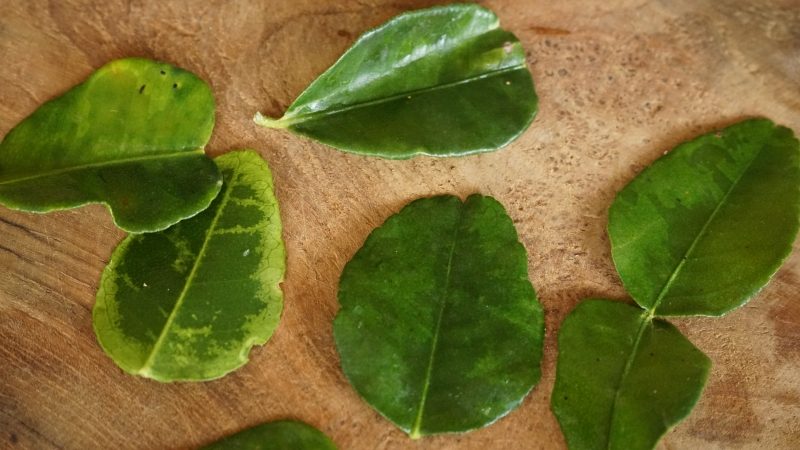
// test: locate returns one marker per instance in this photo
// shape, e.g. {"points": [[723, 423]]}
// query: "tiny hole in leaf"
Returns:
{"points": [[174, 85], [163, 73], [141, 89]]}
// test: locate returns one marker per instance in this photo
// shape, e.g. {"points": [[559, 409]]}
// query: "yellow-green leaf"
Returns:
{"points": [[131, 137], [189, 302]]}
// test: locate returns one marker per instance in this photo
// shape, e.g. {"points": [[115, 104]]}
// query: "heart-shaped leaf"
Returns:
{"points": [[281, 435], [189, 302], [623, 378], [443, 81], [439, 328], [706, 226], [131, 137]]}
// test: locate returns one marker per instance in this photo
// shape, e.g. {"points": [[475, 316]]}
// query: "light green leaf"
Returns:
{"points": [[439, 328], [189, 302], [443, 81], [623, 379], [282, 435], [706, 226], [131, 136]]}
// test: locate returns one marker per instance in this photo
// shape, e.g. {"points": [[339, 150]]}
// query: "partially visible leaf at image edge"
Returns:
{"points": [[440, 329], [622, 378], [189, 302], [280, 435], [131, 137], [444, 81], [697, 233]]}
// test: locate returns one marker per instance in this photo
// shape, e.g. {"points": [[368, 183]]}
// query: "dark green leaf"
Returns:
{"points": [[282, 435], [131, 137], [706, 226], [189, 302], [623, 378], [439, 328], [444, 81]]}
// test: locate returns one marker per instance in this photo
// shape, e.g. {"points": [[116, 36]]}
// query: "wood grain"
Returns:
{"points": [[620, 82]]}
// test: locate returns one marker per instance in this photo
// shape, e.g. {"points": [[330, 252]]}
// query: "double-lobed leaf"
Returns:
{"points": [[699, 232], [706, 226], [440, 329], [443, 81], [280, 435], [131, 136], [189, 302]]}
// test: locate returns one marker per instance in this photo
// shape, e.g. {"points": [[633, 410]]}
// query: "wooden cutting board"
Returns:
{"points": [[620, 83]]}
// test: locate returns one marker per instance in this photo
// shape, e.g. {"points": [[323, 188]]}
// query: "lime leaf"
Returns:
{"points": [[623, 379], [131, 136], [706, 226], [698, 232], [440, 329], [443, 81], [189, 302], [281, 435]]}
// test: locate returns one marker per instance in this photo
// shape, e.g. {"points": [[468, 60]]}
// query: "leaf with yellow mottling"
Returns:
{"points": [[189, 302]]}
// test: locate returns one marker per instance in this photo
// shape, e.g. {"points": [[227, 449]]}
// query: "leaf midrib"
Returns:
{"points": [[649, 313], [145, 370], [289, 120], [63, 170], [415, 429]]}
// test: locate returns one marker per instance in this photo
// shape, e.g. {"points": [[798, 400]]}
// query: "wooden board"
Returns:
{"points": [[620, 82]]}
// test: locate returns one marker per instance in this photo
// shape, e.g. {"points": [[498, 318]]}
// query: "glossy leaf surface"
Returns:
{"points": [[189, 302], [623, 379], [443, 81], [131, 136], [706, 226], [281, 435], [439, 328]]}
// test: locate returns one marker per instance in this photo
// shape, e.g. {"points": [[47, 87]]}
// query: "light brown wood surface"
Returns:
{"points": [[619, 83]]}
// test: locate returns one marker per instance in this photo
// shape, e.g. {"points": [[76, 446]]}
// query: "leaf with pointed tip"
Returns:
{"points": [[444, 81], [623, 379], [439, 327], [131, 137], [189, 302], [281, 435], [706, 226]]}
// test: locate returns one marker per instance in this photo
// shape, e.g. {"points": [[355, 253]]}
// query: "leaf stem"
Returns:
{"points": [[269, 122]]}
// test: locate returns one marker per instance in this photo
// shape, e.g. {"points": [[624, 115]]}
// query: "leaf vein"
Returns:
{"points": [[415, 430], [182, 296]]}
